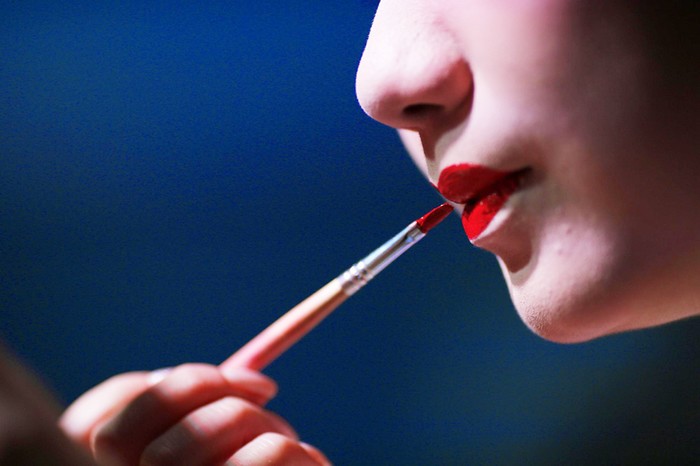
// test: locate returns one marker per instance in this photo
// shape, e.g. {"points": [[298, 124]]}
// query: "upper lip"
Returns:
{"points": [[467, 183]]}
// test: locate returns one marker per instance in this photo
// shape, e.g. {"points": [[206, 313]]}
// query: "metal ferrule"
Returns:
{"points": [[365, 270]]}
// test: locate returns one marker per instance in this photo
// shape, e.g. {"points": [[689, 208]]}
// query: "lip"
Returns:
{"points": [[483, 191]]}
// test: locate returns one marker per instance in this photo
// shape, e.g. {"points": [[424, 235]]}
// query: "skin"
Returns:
{"points": [[599, 100]]}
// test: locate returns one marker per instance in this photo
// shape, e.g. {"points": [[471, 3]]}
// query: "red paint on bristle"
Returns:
{"points": [[428, 221]]}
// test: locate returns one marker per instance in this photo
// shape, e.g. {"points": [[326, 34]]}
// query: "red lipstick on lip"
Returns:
{"points": [[482, 190]]}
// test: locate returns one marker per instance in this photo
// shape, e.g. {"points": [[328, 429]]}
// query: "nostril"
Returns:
{"points": [[421, 111], [435, 115]]}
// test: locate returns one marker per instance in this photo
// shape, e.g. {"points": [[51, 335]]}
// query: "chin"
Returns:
{"points": [[565, 307], [586, 310], [572, 295], [563, 323]]}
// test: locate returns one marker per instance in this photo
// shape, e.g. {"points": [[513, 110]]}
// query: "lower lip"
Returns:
{"points": [[477, 216], [483, 190]]}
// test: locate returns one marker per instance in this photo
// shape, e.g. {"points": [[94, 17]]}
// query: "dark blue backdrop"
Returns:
{"points": [[173, 176]]}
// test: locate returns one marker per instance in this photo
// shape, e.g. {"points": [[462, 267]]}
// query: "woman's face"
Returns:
{"points": [[567, 135]]}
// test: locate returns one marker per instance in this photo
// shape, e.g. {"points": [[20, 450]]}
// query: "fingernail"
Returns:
{"points": [[157, 375]]}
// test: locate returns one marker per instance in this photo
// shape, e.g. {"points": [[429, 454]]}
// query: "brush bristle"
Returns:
{"points": [[428, 221]]}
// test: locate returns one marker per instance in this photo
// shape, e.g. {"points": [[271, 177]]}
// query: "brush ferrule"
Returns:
{"points": [[365, 270]]}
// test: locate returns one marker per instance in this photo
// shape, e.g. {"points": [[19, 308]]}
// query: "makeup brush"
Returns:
{"points": [[301, 319]]}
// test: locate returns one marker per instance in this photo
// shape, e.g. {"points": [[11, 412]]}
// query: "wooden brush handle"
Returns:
{"points": [[288, 329]]}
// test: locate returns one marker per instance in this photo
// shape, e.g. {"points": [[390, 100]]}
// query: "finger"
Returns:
{"points": [[250, 384], [123, 438], [275, 450], [213, 433], [102, 401]]}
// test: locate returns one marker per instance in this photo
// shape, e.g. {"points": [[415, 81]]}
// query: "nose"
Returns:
{"points": [[412, 74]]}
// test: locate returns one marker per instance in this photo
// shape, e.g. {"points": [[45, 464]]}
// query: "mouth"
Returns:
{"points": [[483, 191]]}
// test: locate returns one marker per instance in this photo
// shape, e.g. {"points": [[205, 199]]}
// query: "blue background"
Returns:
{"points": [[174, 176]]}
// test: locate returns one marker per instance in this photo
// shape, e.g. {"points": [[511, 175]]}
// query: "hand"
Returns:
{"points": [[194, 414]]}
